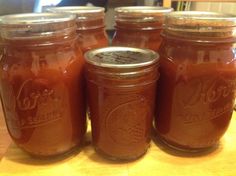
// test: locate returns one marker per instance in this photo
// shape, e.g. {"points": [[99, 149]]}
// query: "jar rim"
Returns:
{"points": [[143, 9], [121, 57], [35, 18], [141, 14], [87, 17], [36, 25], [200, 24], [76, 9], [80, 11], [196, 19]]}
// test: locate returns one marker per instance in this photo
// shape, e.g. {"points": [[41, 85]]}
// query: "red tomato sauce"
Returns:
{"points": [[121, 102], [42, 92], [90, 25], [139, 26], [196, 90]]}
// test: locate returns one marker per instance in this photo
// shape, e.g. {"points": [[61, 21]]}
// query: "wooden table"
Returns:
{"points": [[158, 161]]}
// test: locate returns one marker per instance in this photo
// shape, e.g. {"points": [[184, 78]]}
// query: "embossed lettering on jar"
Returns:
{"points": [[90, 25], [41, 82], [139, 26], [198, 79], [121, 94]]}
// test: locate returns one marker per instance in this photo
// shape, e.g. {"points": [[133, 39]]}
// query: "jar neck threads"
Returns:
{"points": [[200, 26], [86, 17], [91, 24], [38, 28], [140, 17], [122, 66]]}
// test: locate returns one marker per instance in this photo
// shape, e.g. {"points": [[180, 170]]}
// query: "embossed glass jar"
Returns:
{"points": [[139, 26], [198, 79], [1, 50], [41, 82], [121, 85], [90, 25]]}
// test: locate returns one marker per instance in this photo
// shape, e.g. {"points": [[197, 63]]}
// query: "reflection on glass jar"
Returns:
{"points": [[139, 26], [90, 25], [121, 94], [198, 79], [41, 82], [1, 48]]}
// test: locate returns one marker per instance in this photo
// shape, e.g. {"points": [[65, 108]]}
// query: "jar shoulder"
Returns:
{"points": [[198, 53], [41, 63]]}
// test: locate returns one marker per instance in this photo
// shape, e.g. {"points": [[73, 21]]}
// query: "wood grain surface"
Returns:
{"points": [[158, 161]]}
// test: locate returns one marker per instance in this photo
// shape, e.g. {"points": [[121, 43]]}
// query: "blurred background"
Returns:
{"points": [[23, 6]]}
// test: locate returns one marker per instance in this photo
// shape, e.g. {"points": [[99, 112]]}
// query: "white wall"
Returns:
{"points": [[15, 6], [214, 6]]}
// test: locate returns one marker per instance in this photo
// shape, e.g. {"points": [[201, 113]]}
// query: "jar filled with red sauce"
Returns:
{"points": [[139, 26], [41, 82], [198, 79], [90, 25], [1, 49], [121, 84]]}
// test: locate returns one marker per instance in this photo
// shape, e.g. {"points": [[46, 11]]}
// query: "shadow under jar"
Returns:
{"points": [[90, 25], [198, 79], [139, 26], [41, 83], [121, 84]]}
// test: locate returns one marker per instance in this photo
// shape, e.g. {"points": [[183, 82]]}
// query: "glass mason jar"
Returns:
{"points": [[90, 25], [198, 79], [139, 26], [41, 82], [121, 84], [1, 49]]}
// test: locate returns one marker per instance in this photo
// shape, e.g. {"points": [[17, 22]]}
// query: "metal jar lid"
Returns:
{"points": [[82, 12], [141, 13], [197, 23], [87, 17], [121, 57], [78, 10], [35, 25]]}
